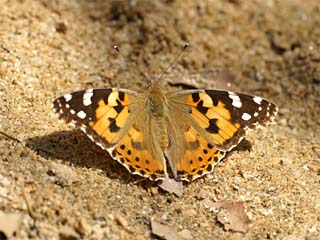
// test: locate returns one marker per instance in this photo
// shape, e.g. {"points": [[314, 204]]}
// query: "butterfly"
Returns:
{"points": [[159, 135]]}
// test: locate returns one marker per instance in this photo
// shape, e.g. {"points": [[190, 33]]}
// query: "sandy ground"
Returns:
{"points": [[63, 186]]}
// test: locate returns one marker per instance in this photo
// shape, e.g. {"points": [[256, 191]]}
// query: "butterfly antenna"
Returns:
{"points": [[115, 47], [173, 62]]}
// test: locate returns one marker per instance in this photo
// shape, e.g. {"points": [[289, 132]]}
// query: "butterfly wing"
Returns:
{"points": [[103, 114], [139, 152], [215, 122], [190, 155], [114, 120], [223, 117]]}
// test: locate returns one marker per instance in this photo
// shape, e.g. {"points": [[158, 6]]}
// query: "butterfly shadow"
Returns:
{"points": [[74, 148], [244, 145]]}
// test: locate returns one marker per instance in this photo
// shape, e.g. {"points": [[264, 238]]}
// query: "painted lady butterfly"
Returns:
{"points": [[189, 131]]}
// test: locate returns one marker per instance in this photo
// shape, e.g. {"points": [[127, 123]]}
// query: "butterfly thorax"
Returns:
{"points": [[157, 102], [158, 109]]}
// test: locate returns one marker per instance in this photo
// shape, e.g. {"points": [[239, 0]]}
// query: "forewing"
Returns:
{"points": [[103, 114], [222, 117]]}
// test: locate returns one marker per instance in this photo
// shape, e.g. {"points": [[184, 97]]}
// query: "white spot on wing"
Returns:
{"points": [[236, 102], [246, 116], [67, 97], [260, 108], [72, 111], [87, 97], [256, 114], [257, 100], [81, 114], [87, 101], [67, 105]]}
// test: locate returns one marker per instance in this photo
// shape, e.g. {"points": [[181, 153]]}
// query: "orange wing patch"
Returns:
{"points": [[215, 118], [200, 157], [131, 153], [111, 117]]}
